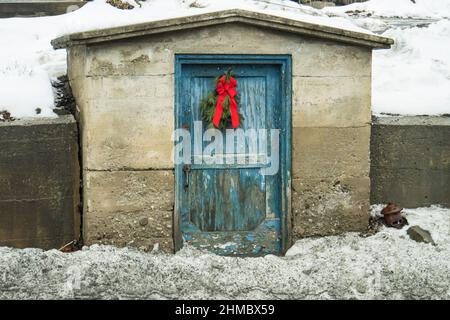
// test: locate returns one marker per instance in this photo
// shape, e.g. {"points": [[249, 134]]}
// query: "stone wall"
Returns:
{"points": [[39, 183], [411, 161], [125, 91]]}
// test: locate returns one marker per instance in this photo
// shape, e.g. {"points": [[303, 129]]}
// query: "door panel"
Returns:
{"points": [[226, 200], [231, 209]]}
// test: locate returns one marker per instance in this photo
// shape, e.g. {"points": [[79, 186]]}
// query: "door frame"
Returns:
{"points": [[285, 63]]}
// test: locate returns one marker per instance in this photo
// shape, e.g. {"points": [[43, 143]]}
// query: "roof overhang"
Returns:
{"points": [[222, 17]]}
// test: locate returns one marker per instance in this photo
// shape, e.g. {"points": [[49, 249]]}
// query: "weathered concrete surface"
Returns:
{"points": [[130, 208], [326, 207], [330, 186], [36, 8], [330, 153], [410, 161], [125, 94], [328, 101], [39, 183]]}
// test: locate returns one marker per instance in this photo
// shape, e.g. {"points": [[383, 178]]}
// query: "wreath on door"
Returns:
{"points": [[220, 107]]}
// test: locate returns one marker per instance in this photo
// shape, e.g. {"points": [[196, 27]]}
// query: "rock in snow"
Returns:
{"points": [[420, 235]]}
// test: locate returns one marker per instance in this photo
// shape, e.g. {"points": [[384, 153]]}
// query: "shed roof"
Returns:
{"points": [[221, 17]]}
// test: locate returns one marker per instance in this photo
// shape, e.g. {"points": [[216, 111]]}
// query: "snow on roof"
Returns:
{"points": [[168, 9], [226, 16]]}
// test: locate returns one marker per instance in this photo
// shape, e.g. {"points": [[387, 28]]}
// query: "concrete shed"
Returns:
{"points": [[137, 86]]}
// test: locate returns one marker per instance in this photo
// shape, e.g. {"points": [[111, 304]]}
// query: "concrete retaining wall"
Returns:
{"points": [[30, 8], [410, 161], [39, 183]]}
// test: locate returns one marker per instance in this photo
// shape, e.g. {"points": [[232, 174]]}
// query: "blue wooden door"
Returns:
{"points": [[234, 208]]}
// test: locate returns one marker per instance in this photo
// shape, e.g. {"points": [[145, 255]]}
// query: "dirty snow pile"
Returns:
{"points": [[387, 265], [412, 78]]}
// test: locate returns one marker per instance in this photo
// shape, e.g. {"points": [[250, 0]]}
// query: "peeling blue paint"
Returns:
{"points": [[234, 210]]}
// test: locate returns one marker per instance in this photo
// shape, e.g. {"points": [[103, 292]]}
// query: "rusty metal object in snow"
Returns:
{"points": [[392, 215]]}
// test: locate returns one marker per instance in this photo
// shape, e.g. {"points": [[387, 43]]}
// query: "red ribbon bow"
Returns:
{"points": [[225, 89]]}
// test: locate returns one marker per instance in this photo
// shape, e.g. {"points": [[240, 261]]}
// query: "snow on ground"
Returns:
{"points": [[396, 8], [411, 78], [386, 265]]}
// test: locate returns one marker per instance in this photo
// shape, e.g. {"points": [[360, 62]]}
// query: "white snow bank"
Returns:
{"points": [[413, 77], [27, 94], [24, 70], [387, 265], [396, 8]]}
